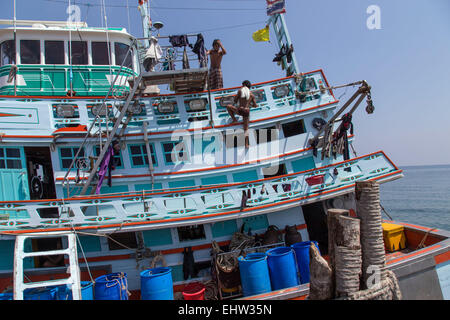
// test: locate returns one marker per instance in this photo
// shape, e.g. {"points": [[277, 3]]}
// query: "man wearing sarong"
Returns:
{"points": [[215, 71], [245, 99]]}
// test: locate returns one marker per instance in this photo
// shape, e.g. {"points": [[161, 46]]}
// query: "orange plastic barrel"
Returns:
{"points": [[194, 291]]}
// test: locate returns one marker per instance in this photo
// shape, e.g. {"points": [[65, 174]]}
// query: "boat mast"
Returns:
{"points": [[280, 29], [144, 9]]}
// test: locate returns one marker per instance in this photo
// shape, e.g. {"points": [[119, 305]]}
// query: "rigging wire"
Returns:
{"points": [[164, 8]]}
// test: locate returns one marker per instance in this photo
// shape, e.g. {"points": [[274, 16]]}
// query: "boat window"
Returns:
{"points": [[266, 134], [172, 156], [30, 51], [293, 128], [79, 52], [117, 158], [121, 51], [191, 232], [68, 154], [138, 154], [10, 158], [122, 240], [100, 53], [54, 52], [234, 139], [8, 53], [274, 171]]}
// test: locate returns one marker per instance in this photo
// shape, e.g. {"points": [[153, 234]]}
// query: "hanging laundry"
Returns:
{"points": [[108, 163], [104, 167], [340, 138], [261, 35], [275, 7], [200, 50], [179, 41], [152, 55]]}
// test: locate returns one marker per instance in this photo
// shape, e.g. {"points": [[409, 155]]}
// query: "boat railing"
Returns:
{"points": [[194, 202]]}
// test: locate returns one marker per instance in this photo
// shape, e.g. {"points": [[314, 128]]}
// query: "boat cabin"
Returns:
{"points": [[55, 60]]}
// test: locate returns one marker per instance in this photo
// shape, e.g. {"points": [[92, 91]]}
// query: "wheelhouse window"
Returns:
{"points": [[54, 52], [7, 53], [10, 158], [121, 51], [68, 154], [100, 53], [30, 51], [79, 52], [138, 154]]}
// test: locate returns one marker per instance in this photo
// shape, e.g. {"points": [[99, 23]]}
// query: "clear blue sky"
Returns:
{"points": [[407, 61]]}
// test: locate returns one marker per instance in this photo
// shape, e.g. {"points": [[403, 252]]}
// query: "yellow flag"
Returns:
{"points": [[261, 35]]}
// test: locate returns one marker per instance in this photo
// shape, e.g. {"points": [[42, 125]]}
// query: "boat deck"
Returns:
{"points": [[424, 261]]}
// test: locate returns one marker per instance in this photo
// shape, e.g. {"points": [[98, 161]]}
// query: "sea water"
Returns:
{"points": [[421, 197]]}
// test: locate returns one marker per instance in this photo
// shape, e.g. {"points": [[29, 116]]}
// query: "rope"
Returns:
{"points": [[388, 289], [422, 242], [158, 257]]}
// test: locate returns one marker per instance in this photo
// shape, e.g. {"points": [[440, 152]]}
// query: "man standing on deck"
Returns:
{"points": [[245, 99], [215, 71]]}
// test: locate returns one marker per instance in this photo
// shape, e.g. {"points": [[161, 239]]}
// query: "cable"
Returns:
{"points": [[164, 8]]}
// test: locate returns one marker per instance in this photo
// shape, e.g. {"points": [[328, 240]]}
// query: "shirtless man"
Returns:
{"points": [[245, 99], [215, 71]]}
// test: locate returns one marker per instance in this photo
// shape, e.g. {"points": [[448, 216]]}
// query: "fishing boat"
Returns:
{"points": [[102, 172]]}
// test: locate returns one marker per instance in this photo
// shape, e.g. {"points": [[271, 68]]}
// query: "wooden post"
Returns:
{"points": [[347, 256], [372, 243], [332, 221], [321, 279]]}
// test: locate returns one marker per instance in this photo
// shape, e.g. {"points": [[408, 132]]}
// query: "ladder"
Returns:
{"points": [[112, 135], [19, 255]]}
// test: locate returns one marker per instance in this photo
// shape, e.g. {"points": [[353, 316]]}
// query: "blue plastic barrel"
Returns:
{"points": [[282, 268], [302, 255], [8, 295], [156, 284], [47, 293], [254, 273], [113, 286], [87, 291]]}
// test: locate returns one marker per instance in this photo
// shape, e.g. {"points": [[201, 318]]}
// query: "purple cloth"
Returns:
{"points": [[104, 168]]}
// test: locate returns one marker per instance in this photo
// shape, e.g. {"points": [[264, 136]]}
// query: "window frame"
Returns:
{"points": [[63, 52], [117, 48], [70, 52], [74, 150], [14, 52], [302, 122], [108, 58], [143, 155], [174, 143], [96, 152], [4, 158], [21, 51]]}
